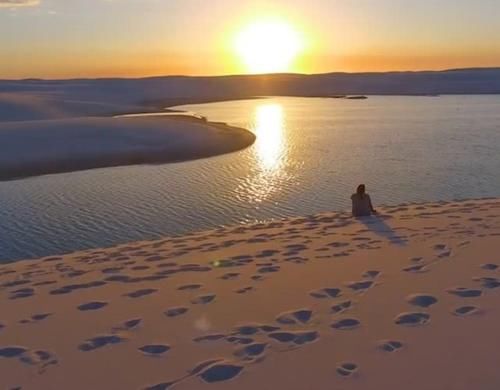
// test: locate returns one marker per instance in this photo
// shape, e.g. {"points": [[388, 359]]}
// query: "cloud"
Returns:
{"points": [[19, 3]]}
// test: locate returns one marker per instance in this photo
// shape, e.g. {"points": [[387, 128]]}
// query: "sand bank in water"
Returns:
{"points": [[408, 299], [63, 145]]}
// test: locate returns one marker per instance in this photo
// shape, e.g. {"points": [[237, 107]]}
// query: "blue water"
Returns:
{"points": [[309, 156]]}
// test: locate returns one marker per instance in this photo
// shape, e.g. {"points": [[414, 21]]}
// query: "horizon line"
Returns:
{"points": [[486, 68]]}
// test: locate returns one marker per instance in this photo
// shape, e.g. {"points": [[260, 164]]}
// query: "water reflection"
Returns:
{"points": [[269, 128], [268, 174]]}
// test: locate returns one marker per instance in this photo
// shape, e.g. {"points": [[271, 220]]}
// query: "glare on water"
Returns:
{"points": [[270, 131], [269, 153]]}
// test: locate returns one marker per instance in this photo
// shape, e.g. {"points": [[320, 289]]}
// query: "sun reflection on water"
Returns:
{"points": [[270, 151], [269, 128]]}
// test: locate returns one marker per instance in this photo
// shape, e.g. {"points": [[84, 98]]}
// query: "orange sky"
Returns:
{"points": [[92, 38]]}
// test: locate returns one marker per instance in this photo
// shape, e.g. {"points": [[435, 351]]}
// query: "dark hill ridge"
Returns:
{"points": [[158, 92]]}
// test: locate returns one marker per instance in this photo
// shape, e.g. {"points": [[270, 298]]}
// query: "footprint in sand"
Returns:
{"points": [[112, 270], [347, 369], [73, 287], [361, 286], [176, 311], [92, 306], [141, 293], [488, 282], [464, 311], [128, 325], [139, 268], [34, 318], [220, 372], [390, 345], [296, 260], [341, 307], [341, 254], [489, 267], [346, 324], [203, 299], [465, 292], [190, 287], [15, 283], [330, 292], [412, 319], [296, 317], [298, 338], [244, 290], [267, 253], [252, 351], [100, 342], [269, 269], [41, 359], [155, 349], [239, 340], [22, 293], [12, 352], [45, 283], [203, 365], [248, 330], [421, 300], [420, 268], [153, 259], [443, 250], [209, 338], [230, 276], [338, 244], [371, 274]]}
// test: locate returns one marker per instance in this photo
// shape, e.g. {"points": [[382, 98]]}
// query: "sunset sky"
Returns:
{"points": [[92, 38]]}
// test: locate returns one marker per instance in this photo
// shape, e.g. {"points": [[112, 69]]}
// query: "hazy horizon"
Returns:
{"points": [[132, 77], [130, 38]]}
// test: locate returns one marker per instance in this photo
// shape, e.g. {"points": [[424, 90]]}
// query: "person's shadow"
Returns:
{"points": [[377, 225]]}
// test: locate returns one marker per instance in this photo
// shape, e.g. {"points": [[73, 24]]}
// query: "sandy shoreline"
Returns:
{"points": [[408, 299], [34, 148]]}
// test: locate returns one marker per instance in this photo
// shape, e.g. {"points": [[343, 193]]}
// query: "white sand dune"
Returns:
{"points": [[29, 148], [53, 127], [405, 300], [30, 106]]}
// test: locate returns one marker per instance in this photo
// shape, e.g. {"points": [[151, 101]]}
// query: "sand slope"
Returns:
{"points": [[406, 300], [31, 148]]}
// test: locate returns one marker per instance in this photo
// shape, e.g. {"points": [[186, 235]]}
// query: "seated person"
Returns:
{"points": [[361, 203]]}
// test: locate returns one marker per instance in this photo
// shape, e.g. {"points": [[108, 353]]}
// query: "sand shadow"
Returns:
{"points": [[377, 225]]}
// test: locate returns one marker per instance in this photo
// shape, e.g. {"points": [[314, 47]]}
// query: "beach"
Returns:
{"points": [[57, 129], [405, 299], [39, 147]]}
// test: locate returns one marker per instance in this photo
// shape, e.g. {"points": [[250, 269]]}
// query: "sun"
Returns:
{"points": [[268, 46]]}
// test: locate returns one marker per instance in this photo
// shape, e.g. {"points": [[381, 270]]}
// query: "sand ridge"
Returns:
{"points": [[407, 299], [41, 147]]}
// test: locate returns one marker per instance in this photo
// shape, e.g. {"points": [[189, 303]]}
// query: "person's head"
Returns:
{"points": [[361, 189]]}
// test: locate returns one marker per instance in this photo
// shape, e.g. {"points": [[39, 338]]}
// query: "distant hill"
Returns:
{"points": [[108, 95]]}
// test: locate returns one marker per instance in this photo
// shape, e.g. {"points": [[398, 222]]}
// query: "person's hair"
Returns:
{"points": [[361, 189]]}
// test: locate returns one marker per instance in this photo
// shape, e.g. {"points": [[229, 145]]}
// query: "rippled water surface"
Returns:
{"points": [[309, 156]]}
